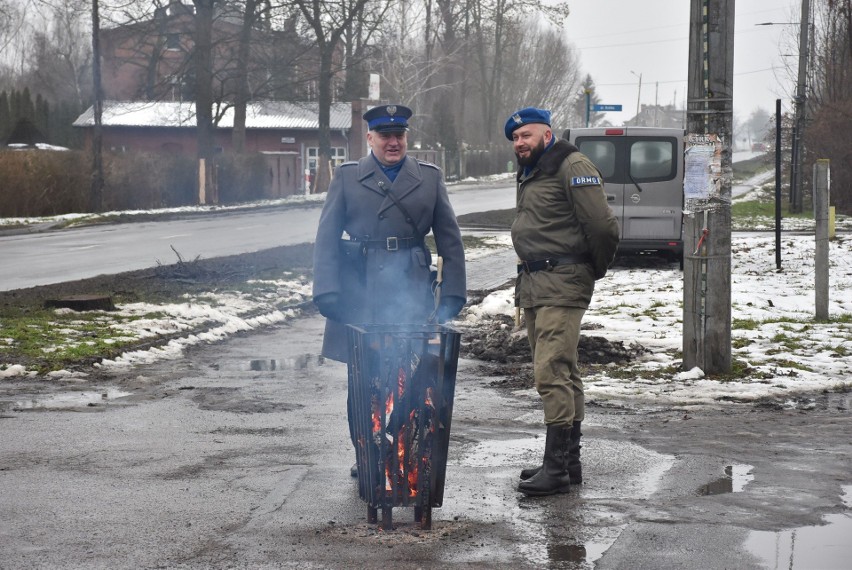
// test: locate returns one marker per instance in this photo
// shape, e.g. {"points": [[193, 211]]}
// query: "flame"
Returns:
{"points": [[376, 417], [410, 458]]}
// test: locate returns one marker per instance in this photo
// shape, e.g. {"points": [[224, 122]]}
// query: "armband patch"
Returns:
{"points": [[585, 181]]}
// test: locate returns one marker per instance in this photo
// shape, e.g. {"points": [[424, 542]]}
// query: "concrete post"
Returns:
{"points": [[707, 233], [821, 200], [202, 181]]}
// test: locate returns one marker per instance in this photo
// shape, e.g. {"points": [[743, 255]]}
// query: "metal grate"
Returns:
{"points": [[402, 382]]}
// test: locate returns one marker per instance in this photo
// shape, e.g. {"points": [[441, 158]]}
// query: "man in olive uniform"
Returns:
{"points": [[565, 236], [370, 262]]}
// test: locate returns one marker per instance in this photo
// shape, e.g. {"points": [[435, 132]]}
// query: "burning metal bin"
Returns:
{"points": [[402, 382]]}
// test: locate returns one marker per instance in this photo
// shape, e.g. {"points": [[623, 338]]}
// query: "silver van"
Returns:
{"points": [[642, 169]]}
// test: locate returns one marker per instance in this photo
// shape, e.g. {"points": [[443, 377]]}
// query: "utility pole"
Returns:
{"points": [[707, 188], [638, 97], [796, 189]]}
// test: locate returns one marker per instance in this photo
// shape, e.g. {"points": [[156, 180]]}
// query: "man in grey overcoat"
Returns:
{"points": [[371, 265]]}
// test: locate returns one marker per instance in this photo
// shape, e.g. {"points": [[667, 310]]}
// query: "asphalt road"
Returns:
{"points": [[237, 456], [42, 258]]}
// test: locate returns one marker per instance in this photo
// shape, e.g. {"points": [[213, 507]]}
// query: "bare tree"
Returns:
{"points": [[328, 22], [830, 99], [61, 51], [543, 71], [497, 32]]}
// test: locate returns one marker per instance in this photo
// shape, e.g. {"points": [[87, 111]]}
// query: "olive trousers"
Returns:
{"points": [[554, 333]]}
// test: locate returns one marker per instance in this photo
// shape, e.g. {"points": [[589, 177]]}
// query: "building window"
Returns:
{"points": [[173, 41], [338, 157]]}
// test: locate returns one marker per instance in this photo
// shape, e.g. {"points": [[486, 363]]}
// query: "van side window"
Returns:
{"points": [[602, 154], [652, 160]]}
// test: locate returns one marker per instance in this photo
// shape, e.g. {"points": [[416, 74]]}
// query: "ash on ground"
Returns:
{"points": [[505, 351]]}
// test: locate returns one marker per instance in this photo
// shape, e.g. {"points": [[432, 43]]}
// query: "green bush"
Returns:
{"points": [[47, 183], [43, 183], [241, 177], [141, 181]]}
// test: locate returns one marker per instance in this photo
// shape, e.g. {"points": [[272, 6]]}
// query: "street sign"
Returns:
{"points": [[601, 107]]}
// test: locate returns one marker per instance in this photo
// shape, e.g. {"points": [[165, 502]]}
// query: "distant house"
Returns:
{"points": [[659, 116], [152, 59], [287, 133]]}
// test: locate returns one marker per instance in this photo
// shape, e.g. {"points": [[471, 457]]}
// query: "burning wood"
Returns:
{"points": [[403, 383]]}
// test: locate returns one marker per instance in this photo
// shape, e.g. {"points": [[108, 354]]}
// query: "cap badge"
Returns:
{"points": [[391, 109], [517, 118]]}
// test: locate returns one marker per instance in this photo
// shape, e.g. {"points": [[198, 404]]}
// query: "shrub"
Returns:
{"points": [[148, 180], [47, 183], [242, 177], [43, 183]]}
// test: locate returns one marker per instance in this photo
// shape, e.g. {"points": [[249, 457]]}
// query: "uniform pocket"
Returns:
{"points": [[421, 257]]}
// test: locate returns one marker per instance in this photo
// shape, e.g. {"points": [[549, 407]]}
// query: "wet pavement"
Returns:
{"points": [[237, 456]]}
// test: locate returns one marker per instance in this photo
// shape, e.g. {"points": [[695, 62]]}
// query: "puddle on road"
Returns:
{"points": [[636, 474], [70, 400], [826, 546], [735, 479], [301, 362]]}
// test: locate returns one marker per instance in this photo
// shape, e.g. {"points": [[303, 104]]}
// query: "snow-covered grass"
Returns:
{"points": [[779, 349]]}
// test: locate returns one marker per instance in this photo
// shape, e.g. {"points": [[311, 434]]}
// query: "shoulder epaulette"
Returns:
{"points": [[429, 164], [349, 163]]}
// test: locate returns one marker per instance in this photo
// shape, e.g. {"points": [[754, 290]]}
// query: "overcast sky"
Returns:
{"points": [[651, 38]]}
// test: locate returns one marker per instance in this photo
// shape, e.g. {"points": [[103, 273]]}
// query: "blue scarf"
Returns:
{"points": [[390, 171]]}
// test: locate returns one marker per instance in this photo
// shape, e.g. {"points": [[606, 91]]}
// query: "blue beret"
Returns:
{"points": [[525, 117], [388, 118]]}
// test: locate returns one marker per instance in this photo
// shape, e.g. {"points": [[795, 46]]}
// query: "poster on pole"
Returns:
{"points": [[702, 180]]}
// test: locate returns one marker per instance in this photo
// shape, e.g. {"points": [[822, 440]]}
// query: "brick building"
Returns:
{"points": [[286, 133]]}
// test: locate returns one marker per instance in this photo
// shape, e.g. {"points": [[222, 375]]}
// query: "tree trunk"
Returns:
{"points": [[204, 97], [323, 176], [242, 96]]}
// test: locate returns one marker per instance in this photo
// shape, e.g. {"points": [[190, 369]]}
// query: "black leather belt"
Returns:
{"points": [[391, 243], [549, 264]]}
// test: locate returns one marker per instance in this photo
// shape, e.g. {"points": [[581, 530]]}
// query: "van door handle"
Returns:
{"points": [[610, 198]]}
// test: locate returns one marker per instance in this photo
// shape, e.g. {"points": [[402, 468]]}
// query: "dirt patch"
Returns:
{"points": [[506, 351]]}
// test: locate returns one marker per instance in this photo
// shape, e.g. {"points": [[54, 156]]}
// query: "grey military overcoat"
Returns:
{"points": [[384, 286]]}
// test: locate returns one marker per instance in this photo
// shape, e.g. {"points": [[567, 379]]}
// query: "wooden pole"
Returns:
{"points": [[707, 225], [821, 200]]}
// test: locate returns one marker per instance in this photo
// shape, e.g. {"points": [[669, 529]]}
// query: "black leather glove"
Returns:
{"points": [[329, 305], [449, 307]]}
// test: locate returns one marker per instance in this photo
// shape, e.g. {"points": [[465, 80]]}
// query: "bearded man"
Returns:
{"points": [[565, 236]]}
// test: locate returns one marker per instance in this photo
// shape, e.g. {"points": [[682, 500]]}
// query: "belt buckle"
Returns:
{"points": [[392, 244]]}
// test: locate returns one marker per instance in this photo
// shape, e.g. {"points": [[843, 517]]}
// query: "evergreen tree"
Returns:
{"points": [[5, 116], [41, 117]]}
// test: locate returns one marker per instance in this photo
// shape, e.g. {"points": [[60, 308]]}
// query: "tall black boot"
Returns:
{"points": [[553, 476], [575, 469]]}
